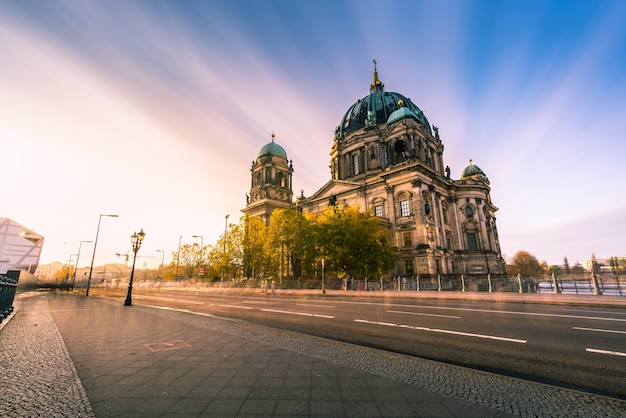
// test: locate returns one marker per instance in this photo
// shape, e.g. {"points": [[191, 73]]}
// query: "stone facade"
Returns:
{"points": [[387, 159]]}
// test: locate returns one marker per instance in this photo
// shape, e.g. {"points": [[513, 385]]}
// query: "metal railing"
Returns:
{"points": [[8, 287], [592, 284]]}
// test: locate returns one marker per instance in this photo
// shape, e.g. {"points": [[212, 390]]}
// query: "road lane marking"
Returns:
{"points": [[234, 306], [298, 313], [314, 306], [425, 314], [444, 331], [492, 311], [609, 352], [590, 311], [600, 330]]}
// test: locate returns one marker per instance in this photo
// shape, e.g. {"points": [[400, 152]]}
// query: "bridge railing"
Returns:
{"points": [[603, 284]]}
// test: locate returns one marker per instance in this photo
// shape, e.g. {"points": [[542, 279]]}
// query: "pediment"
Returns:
{"points": [[334, 187]]}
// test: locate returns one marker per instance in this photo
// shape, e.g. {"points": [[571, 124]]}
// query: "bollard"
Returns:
{"points": [[462, 283]]}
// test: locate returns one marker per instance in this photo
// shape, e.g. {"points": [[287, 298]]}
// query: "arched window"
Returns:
{"points": [[280, 179], [470, 231], [378, 207], [404, 204]]}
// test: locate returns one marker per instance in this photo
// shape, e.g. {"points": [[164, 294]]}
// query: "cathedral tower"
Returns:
{"points": [[270, 183]]}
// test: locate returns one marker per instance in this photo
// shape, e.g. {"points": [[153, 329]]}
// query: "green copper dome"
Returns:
{"points": [[377, 108], [272, 149], [473, 172], [401, 113]]}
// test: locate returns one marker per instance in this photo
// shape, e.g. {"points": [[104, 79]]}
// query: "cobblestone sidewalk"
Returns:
{"points": [[38, 377]]}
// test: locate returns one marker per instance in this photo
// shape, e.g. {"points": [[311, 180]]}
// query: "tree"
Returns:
{"points": [[291, 242], [566, 265], [254, 256], [556, 270], [352, 242], [525, 264], [577, 268], [187, 259]]}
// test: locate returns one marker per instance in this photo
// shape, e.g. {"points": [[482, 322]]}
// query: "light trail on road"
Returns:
{"points": [[443, 331], [298, 313], [425, 314], [609, 352], [600, 330]]}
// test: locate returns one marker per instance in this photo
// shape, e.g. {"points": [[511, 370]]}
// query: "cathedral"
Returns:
{"points": [[387, 158]]}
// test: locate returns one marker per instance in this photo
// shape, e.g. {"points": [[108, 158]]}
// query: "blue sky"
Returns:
{"points": [[154, 110]]}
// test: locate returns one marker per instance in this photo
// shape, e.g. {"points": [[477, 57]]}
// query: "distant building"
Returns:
{"points": [[386, 157], [49, 272], [20, 247], [602, 264]]}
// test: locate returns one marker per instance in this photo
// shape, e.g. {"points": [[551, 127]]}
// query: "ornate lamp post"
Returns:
{"points": [[135, 240]]}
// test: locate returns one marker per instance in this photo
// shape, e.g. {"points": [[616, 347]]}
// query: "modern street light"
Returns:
{"points": [[162, 259], [225, 232], [201, 245], [67, 271], [178, 256], [94, 251], [135, 240], [77, 258]]}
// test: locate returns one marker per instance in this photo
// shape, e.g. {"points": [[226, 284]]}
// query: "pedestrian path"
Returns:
{"points": [[94, 357]]}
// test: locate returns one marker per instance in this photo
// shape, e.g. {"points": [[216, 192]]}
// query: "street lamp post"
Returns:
{"points": [[94, 251], [225, 232], [162, 259], [67, 272], [323, 265], [201, 245], [77, 258], [178, 256], [135, 240]]}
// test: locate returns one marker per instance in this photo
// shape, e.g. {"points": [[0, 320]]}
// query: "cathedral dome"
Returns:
{"points": [[376, 108], [272, 149], [401, 113], [473, 172]]}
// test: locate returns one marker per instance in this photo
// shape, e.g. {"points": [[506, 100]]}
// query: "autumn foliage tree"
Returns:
{"points": [[352, 242], [525, 264]]}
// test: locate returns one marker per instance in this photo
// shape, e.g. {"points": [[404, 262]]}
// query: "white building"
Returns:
{"points": [[20, 247]]}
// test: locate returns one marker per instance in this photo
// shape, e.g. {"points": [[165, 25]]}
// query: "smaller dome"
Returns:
{"points": [[272, 149], [403, 112], [473, 172]]}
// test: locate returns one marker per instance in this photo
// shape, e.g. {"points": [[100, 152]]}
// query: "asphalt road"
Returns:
{"points": [[574, 347]]}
